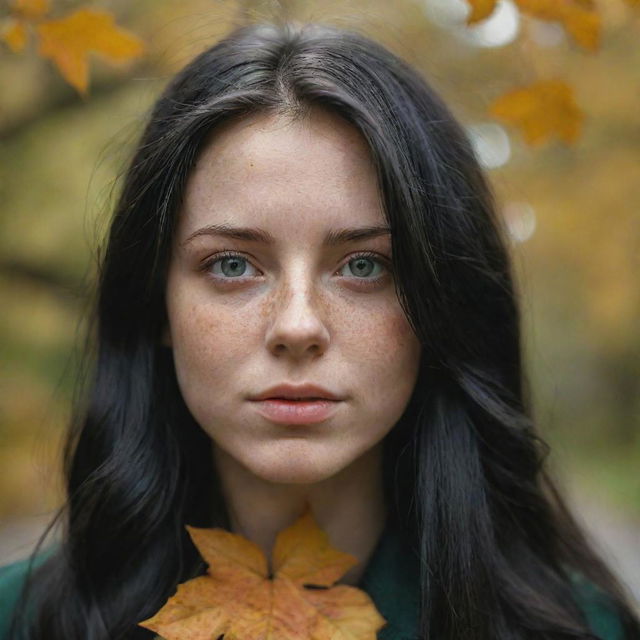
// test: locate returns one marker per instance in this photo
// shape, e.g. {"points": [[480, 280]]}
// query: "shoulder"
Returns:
{"points": [[598, 609], [12, 579]]}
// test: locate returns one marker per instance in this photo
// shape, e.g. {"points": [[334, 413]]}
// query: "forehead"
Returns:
{"points": [[268, 169]]}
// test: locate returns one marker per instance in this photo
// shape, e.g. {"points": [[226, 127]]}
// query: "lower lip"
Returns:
{"points": [[296, 411]]}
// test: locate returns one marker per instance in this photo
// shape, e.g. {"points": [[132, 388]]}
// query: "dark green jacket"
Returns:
{"points": [[390, 578]]}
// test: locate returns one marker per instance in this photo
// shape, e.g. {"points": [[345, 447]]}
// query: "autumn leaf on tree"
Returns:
{"points": [[542, 110], [22, 11], [69, 40], [242, 598], [15, 35], [580, 18], [480, 9]]}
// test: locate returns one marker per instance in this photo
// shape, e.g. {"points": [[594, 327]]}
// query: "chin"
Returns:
{"points": [[292, 474], [294, 468]]}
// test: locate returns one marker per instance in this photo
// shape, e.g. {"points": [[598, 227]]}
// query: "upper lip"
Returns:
{"points": [[293, 391]]}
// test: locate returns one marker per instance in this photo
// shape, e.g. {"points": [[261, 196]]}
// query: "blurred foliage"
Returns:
{"points": [[573, 212], [68, 40]]}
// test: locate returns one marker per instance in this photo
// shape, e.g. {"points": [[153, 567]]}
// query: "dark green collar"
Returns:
{"points": [[392, 580]]}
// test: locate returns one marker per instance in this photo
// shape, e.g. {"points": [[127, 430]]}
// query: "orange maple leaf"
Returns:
{"points": [[15, 35], [480, 9], [14, 32], [69, 40], [580, 18], [240, 598], [541, 110]]}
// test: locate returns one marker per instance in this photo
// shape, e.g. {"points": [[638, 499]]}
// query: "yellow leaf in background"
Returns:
{"points": [[554, 9], [633, 3], [242, 599], [480, 9], [579, 17], [15, 35], [69, 40], [584, 26], [541, 111], [30, 9]]}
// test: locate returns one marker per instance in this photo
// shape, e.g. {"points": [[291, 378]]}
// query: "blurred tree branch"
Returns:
{"points": [[57, 95], [70, 290]]}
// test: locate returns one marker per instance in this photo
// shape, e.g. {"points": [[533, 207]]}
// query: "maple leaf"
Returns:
{"points": [[15, 35], [579, 17], [14, 32], [69, 40], [480, 9], [541, 110], [242, 600]]}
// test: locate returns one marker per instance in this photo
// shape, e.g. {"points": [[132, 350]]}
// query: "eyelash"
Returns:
{"points": [[227, 253]]}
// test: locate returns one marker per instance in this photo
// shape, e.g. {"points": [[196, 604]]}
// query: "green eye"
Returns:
{"points": [[228, 265], [366, 265], [363, 266], [235, 266]]}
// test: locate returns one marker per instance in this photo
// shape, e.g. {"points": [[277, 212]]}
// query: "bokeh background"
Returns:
{"points": [[572, 212]]}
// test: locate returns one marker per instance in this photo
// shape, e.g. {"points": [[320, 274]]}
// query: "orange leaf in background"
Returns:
{"points": [[480, 9], [30, 9], [240, 599], [541, 110], [15, 35], [579, 17], [14, 32], [69, 40]]}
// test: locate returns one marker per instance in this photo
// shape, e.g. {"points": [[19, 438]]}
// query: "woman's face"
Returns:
{"points": [[295, 309]]}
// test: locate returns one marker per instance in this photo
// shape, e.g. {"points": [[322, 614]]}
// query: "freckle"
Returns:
{"points": [[267, 307]]}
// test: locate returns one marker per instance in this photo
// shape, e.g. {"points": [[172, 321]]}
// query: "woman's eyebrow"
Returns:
{"points": [[253, 234]]}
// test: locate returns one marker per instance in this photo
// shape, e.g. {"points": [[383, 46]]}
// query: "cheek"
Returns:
{"points": [[206, 341], [387, 344], [383, 358]]}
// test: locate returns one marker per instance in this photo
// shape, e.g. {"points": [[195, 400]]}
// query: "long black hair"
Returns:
{"points": [[464, 469]]}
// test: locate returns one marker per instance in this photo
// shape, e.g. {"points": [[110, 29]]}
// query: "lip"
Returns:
{"points": [[284, 411], [296, 391]]}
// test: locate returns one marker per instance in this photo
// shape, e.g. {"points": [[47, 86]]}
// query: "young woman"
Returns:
{"points": [[305, 297]]}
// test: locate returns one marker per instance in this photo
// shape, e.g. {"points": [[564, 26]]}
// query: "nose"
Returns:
{"points": [[297, 326]]}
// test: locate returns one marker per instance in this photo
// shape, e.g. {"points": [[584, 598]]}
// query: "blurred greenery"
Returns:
{"points": [[577, 267]]}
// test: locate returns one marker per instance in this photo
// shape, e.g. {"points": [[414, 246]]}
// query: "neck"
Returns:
{"points": [[348, 506]]}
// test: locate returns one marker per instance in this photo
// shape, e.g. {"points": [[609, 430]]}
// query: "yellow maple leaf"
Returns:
{"points": [[541, 111], [15, 35], [241, 598], [69, 40], [580, 18], [14, 32], [480, 9]]}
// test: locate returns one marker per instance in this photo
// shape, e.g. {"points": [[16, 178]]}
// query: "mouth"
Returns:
{"points": [[305, 392], [299, 399], [296, 411]]}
